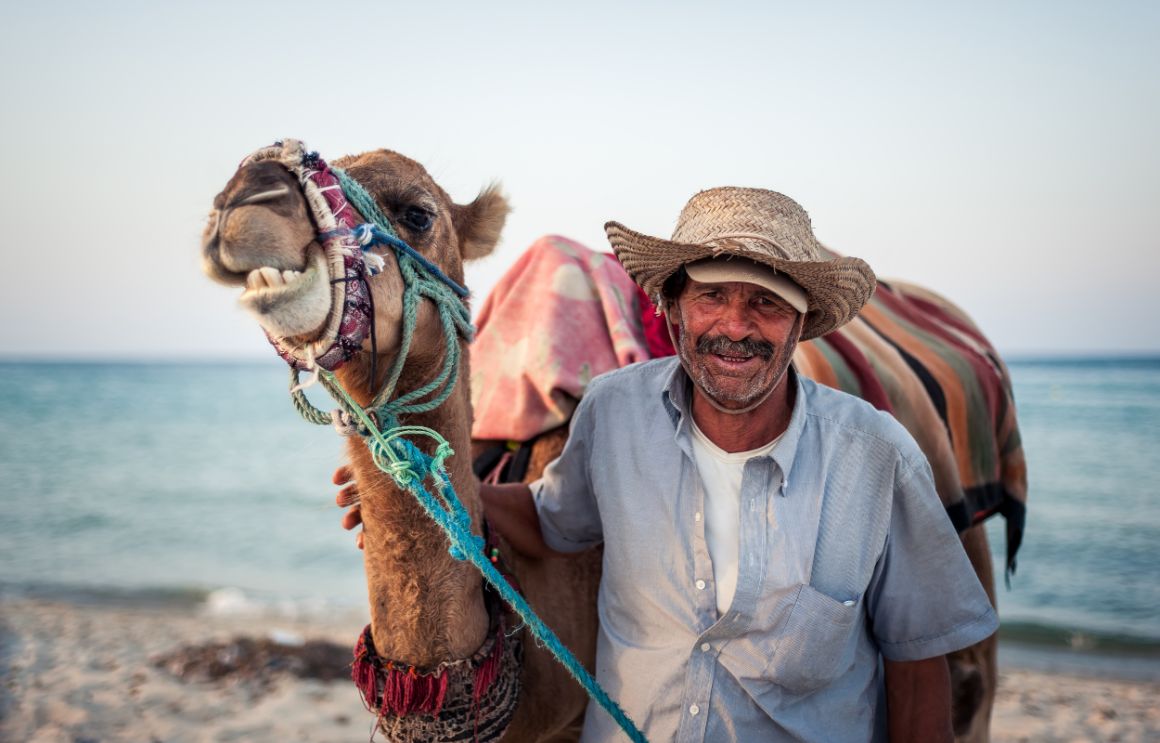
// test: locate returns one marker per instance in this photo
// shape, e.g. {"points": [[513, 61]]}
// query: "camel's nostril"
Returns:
{"points": [[263, 196]]}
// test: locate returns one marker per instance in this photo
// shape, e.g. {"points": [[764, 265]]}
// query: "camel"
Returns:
{"points": [[426, 607], [428, 610]]}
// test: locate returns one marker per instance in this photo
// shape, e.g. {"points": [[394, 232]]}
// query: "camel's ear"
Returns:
{"points": [[480, 222]]}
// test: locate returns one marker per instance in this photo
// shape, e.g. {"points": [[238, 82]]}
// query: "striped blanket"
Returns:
{"points": [[909, 352]]}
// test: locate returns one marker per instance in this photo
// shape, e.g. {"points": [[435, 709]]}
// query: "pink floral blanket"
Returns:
{"points": [[561, 315]]}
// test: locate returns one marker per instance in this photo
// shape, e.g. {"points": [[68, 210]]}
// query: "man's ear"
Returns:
{"points": [[798, 327], [480, 222], [672, 315]]}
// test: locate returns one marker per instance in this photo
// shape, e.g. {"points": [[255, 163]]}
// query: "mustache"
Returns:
{"points": [[719, 344]]}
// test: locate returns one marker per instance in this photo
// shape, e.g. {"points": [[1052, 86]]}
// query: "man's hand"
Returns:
{"points": [[348, 496], [511, 510]]}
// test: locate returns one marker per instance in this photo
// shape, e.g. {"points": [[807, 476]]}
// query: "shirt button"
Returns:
{"points": [[700, 584], [694, 709], [705, 647], [697, 516]]}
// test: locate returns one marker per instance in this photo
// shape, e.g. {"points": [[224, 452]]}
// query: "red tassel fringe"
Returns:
{"points": [[488, 670], [401, 690], [365, 673]]}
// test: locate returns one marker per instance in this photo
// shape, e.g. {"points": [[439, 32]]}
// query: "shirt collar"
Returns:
{"points": [[676, 398]]}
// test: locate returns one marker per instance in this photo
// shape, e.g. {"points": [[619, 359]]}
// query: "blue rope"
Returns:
{"points": [[379, 237], [409, 468]]}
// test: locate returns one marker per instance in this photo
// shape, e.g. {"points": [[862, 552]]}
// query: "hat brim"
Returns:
{"points": [[836, 288]]}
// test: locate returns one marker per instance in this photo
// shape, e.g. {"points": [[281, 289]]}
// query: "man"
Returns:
{"points": [[777, 564]]}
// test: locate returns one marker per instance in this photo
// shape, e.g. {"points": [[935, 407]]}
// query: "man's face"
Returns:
{"points": [[736, 339]]}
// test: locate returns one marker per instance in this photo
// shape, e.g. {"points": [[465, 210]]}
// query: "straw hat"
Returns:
{"points": [[759, 225]]}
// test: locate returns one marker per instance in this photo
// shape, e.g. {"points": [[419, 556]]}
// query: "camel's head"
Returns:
{"points": [[264, 236]]}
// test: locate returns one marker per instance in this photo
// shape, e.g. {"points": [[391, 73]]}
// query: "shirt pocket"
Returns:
{"points": [[813, 648]]}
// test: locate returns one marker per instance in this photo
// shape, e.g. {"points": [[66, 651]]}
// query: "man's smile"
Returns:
{"points": [[732, 361]]}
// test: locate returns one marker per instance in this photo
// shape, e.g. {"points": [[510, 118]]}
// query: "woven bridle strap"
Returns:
{"points": [[350, 318]]}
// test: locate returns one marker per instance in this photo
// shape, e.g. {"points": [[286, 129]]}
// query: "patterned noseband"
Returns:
{"points": [[351, 311]]}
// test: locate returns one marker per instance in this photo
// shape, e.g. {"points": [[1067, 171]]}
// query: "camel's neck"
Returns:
{"points": [[426, 607]]}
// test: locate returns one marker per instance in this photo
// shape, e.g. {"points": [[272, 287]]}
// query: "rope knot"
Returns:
{"points": [[402, 472], [344, 423], [348, 424], [442, 452]]}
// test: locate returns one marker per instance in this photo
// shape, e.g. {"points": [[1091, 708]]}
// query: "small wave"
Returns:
{"points": [[233, 601], [1080, 640], [223, 601], [91, 595]]}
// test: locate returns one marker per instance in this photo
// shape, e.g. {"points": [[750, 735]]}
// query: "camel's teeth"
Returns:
{"points": [[254, 279], [272, 276], [268, 277]]}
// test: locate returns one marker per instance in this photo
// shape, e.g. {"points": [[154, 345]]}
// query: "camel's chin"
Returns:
{"points": [[290, 304]]}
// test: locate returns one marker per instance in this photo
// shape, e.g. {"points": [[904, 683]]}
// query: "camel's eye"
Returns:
{"points": [[417, 218]]}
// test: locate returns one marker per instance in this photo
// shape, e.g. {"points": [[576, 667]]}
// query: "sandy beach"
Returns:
{"points": [[99, 673], [88, 674]]}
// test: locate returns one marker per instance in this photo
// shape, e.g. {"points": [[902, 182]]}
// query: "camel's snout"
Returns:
{"points": [[260, 237]]}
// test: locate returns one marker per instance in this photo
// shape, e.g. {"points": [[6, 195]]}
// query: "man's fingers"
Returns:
{"points": [[343, 475], [348, 496], [351, 518]]}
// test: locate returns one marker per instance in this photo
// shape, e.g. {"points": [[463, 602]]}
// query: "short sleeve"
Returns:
{"points": [[568, 511], [924, 598]]}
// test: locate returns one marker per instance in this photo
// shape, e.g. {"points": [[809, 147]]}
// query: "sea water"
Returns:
{"points": [[199, 483], [1088, 572], [169, 482]]}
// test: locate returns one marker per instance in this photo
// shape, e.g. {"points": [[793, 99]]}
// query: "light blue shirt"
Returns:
{"points": [[846, 555]]}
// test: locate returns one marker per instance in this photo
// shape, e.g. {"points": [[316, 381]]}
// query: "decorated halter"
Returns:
{"points": [[332, 196], [397, 691]]}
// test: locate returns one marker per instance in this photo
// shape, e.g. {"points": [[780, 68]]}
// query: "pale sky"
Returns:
{"points": [[1004, 154]]}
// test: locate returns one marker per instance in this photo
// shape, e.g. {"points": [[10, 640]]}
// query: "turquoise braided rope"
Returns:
{"points": [[409, 468], [363, 201], [366, 204]]}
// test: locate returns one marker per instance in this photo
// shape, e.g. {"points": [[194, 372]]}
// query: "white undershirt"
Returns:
{"points": [[721, 473]]}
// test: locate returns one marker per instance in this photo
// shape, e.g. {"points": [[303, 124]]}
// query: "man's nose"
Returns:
{"points": [[737, 321]]}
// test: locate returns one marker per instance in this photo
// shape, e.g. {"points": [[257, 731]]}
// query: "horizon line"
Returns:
{"points": [[209, 359]]}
